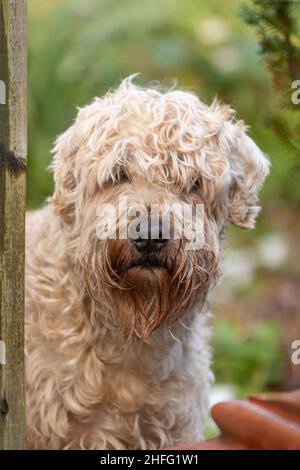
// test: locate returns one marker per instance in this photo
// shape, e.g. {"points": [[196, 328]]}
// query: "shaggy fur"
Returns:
{"points": [[117, 351]]}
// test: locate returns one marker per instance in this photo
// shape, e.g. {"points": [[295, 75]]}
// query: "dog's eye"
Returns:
{"points": [[121, 176], [118, 177], [197, 184]]}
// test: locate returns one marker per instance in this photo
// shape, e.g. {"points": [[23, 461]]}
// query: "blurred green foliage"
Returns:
{"points": [[277, 25], [79, 49], [251, 358]]}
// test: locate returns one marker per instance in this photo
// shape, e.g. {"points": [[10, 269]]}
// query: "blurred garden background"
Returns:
{"points": [[79, 49]]}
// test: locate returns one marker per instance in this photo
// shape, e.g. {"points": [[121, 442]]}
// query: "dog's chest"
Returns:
{"points": [[146, 378]]}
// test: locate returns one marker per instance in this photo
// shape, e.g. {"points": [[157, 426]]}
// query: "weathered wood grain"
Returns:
{"points": [[13, 144]]}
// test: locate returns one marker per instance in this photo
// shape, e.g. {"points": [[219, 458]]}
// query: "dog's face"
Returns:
{"points": [[125, 173]]}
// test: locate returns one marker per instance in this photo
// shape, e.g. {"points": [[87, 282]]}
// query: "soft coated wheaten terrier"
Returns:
{"points": [[116, 344]]}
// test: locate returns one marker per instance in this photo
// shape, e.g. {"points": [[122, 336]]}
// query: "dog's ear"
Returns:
{"points": [[63, 166], [66, 166], [248, 170], [77, 145]]}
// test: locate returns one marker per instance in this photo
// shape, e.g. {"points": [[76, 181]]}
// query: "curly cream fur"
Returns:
{"points": [[118, 356]]}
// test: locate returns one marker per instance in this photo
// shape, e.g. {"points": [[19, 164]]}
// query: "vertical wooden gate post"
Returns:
{"points": [[13, 142]]}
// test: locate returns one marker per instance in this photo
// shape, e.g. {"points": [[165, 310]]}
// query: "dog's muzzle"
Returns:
{"points": [[149, 250], [152, 242]]}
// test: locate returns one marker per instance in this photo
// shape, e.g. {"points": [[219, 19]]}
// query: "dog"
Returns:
{"points": [[117, 333]]}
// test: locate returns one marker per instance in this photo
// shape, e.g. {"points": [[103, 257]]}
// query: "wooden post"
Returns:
{"points": [[13, 145]]}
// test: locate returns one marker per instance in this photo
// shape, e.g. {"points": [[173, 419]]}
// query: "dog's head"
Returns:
{"points": [[137, 173]]}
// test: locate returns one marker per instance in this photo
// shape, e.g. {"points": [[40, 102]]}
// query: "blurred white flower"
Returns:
{"points": [[221, 392], [212, 31], [272, 251], [218, 393], [238, 268], [226, 58]]}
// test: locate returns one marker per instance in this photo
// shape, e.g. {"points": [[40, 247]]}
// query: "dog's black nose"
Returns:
{"points": [[151, 244]]}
